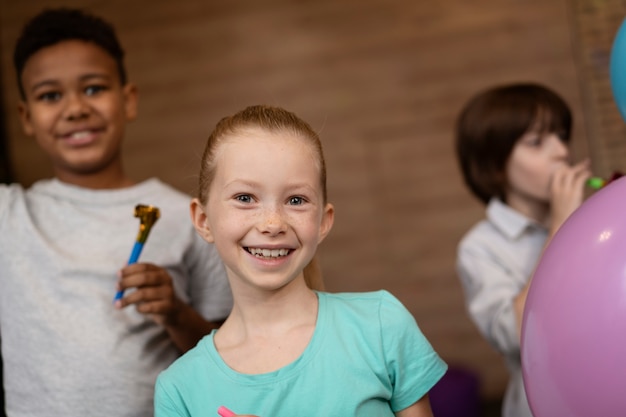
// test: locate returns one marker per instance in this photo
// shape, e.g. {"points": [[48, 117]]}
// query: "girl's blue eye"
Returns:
{"points": [[296, 201], [244, 198]]}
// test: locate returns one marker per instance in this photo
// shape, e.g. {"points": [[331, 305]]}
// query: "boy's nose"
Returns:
{"points": [[76, 107], [560, 149]]}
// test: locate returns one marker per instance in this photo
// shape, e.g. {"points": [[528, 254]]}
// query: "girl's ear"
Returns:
{"points": [[200, 220], [328, 218]]}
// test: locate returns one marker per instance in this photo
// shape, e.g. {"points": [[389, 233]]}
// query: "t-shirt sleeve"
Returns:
{"points": [[413, 365], [7, 193], [166, 405]]}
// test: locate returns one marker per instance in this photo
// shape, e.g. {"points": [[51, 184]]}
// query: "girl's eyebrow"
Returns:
{"points": [[251, 184], [240, 182]]}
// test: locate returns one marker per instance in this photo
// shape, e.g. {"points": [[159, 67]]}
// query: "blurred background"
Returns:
{"points": [[382, 81]]}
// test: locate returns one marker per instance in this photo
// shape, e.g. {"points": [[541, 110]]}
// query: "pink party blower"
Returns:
{"points": [[225, 412]]}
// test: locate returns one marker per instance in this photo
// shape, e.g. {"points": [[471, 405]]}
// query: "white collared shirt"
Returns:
{"points": [[495, 260]]}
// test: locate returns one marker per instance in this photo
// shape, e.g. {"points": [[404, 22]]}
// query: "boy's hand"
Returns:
{"points": [[567, 192], [154, 293]]}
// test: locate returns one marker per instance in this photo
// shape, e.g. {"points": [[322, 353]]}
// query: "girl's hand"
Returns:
{"points": [[567, 191], [154, 294]]}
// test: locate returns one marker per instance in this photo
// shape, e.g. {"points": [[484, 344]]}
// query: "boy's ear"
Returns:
{"points": [[328, 218], [25, 118], [200, 220], [131, 101]]}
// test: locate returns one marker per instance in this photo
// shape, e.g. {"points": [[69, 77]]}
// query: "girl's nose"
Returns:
{"points": [[272, 221]]}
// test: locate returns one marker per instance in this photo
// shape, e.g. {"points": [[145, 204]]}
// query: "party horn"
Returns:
{"points": [[597, 182], [148, 215]]}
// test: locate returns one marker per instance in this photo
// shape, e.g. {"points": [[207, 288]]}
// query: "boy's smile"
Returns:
{"points": [[81, 137], [76, 108]]}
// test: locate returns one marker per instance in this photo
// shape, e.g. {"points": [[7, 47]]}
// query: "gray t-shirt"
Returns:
{"points": [[67, 351]]}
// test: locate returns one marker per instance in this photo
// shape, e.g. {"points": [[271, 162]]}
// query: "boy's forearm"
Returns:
{"points": [[518, 305], [188, 327]]}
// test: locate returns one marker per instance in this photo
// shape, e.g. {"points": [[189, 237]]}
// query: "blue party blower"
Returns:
{"points": [[148, 215]]}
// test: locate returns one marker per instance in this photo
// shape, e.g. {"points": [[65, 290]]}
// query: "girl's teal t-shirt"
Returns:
{"points": [[367, 357]]}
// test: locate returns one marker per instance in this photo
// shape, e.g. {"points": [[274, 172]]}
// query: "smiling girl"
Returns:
{"points": [[286, 350]]}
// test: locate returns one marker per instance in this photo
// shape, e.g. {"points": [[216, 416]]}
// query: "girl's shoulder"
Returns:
{"points": [[191, 360], [358, 298], [368, 306]]}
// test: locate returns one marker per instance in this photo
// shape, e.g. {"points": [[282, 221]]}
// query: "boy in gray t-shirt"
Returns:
{"points": [[67, 348]]}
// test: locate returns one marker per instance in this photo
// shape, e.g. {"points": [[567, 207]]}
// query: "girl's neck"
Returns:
{"points": [[265, 333], [272, 312]]}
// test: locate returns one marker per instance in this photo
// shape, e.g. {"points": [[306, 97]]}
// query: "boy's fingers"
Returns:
{"points": [[139, 277], [567, 177], [137, 268], [558, 178], [147, 295], [160, 307]]}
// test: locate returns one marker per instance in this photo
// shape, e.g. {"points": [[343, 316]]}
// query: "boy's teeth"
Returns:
{"points": [[79, 135], [268, 253]]}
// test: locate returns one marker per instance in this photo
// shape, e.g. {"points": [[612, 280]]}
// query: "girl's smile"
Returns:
{"points": [[268, 253]]}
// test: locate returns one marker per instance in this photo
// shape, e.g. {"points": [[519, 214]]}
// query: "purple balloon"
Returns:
{"points": [[573, 345]]}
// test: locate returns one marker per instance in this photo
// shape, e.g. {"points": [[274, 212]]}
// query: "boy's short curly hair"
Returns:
{"points": [[52, 26], [493, 121]]}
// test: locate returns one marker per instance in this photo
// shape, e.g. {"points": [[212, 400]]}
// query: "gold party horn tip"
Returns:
{"points": [[148, 215]]}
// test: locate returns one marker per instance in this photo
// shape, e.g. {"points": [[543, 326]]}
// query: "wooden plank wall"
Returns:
{"points": [[594, 26], [382, 80]]}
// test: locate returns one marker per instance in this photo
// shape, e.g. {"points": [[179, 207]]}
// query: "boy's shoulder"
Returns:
{"points": [[501, 223], [10, 193]]}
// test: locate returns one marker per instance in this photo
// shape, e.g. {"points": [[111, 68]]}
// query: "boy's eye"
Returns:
{"points": [[535, 141], [49, 96], [244, 198], [94, 89], [296, 201]]}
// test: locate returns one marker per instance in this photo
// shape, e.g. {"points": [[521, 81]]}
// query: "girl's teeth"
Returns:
{"points": [[268, 253]]}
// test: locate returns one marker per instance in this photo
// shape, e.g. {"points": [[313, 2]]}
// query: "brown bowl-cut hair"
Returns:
{"points": [[493, 121]]}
